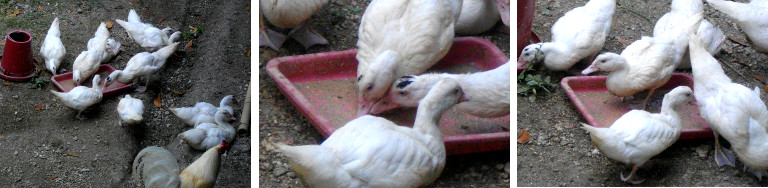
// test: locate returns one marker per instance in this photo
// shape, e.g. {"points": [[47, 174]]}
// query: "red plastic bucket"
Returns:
{"points": [[17, 63]]}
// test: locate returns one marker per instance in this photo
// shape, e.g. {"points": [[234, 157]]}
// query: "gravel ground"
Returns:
{"points": [[279, 121], [50, 148], [561, 154]]}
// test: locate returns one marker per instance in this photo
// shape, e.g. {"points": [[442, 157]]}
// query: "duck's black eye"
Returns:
{"points": [[602, 61], [456, 91], [687, 94], [369, 87], [402, 92], [526, 54]]}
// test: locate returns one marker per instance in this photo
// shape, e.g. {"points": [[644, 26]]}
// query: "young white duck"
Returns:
{"points": [[732, 111], [752, 18], [489, 91], [142, 64], [207, 135], [130, 110], [371, 151], [203, 112], [398, 38], [288, 14], [476, 16], [88, 62], [639, 135], [112, 45], [81, 97], [645, 64], [149, 37], [712, 36], [53, 49], [579, 34]]}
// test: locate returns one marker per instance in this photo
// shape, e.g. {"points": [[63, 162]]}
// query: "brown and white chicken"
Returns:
{"points": [[157, 167]]}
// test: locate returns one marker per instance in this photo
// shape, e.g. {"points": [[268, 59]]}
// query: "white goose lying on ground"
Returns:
{"points": [[752, 18], [645, 64], [288, 14], [398, 38], [638, 135], [203, 112], [731, 110], [374, 152], [489, 91], [157, 167], [130, 110], [207, 135], [142, 64], [53, 49], [81, 97], [580, 33], [112, 45], [713, 37], [147, 36]]}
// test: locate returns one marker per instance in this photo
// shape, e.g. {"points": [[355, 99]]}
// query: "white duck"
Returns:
{"points": [[398, 38], [645, 64], [53, 49], [203, 172], [130, 110], [155, 167], [149, 37], [371, 151], [142, 64], [207, 135], [88, 62], [489, 91], [288, 14], [476, 16], [203, 112], [752, 18], [112, 45], [731, 110], [579, 34], [639, 135], [713, 37], [81, 97]]}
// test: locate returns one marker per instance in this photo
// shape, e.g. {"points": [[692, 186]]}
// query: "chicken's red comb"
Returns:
{"points": [[224, 144]]}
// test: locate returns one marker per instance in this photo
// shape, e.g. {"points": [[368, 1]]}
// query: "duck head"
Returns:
{"points": [[373, 83], [608, 62], [679, 95], [531, 53]]}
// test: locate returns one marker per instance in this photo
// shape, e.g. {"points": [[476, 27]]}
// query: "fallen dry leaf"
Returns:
{"points": [[109, 25], [739, 41], [194, 29], [158, 103], [248, 8], [622, 41], [85, 7], [764, 88], [248, 53], [2, 43], [69, 11], [758, 77], [134, 2], [40, 7], [17, 12], [54, 176], [178, 92], [739, 62], [524, 137], [160, 20], [73, 5], [8, 83], [189, 44], [39, 106], [72, 154], [1, 136]]}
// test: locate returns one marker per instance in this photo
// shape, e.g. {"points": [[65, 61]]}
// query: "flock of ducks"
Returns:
{"points": [[153, 166], [397, 40], [682, 38]]}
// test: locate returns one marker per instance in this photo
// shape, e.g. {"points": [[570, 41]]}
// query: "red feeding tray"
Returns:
{"points": [[601, 108], [65, 83], [322, 87]]}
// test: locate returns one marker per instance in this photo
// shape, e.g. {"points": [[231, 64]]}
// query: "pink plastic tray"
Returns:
{"points": [[322, 87], [65, 83], [601, 108]]}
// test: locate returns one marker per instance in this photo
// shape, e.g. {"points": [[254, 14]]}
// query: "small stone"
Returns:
{"points": [[75, 138], [279, 170], [555, 139], [506, 168], [85, 170], [595, 152], [79, 10], [485, 168], [702, 150], [499, 167], [564, 142], [291, 174]]}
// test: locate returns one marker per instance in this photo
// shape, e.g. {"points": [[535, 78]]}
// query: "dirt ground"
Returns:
{"points": [[50, 148], [280, 121], [561, 154]]}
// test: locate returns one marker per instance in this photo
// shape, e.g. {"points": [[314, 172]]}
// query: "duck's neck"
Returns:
{"points": [[668, 109], [556, 56], [427, 119]]}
